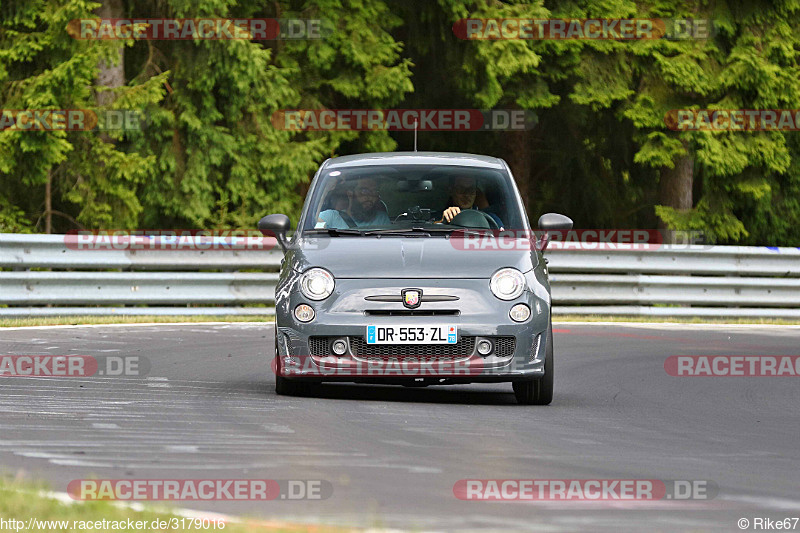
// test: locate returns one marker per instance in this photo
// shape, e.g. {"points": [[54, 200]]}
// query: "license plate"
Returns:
{"points": [[412, 334]]}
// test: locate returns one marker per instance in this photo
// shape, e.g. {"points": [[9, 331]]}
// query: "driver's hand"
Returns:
{"points": [[450, 213]]}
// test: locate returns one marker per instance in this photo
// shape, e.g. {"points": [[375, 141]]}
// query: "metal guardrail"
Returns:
{"points": [[717, 281], [678, 259], [20, 251], [136, 288], [722, 281], [133, 282]]}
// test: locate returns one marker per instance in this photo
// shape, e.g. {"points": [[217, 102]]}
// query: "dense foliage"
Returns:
{"points": [[210, 157]]}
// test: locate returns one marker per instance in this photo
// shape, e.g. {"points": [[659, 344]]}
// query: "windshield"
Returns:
{"points": [[436, 198]]}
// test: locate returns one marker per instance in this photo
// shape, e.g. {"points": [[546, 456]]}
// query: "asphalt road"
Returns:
{"points": [[207, 409]]}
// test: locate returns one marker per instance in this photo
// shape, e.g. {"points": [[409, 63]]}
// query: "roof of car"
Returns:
{"points": [[415, 158]]}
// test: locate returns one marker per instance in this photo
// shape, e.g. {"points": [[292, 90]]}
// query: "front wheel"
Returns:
{"points": [[287, 387], [538, 391]]}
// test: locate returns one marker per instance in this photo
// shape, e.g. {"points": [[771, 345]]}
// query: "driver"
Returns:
{"points": [[366, 209], [463, 191]]}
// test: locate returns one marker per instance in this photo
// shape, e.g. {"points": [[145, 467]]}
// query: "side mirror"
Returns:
{"points": [[552, 222], [276, 225]]}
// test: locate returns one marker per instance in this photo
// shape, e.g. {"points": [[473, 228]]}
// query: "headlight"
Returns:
{"points": [[507, 283], [316, 283]]}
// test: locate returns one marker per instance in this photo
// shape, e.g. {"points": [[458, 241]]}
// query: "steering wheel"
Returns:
{"points": [[468, 218]]}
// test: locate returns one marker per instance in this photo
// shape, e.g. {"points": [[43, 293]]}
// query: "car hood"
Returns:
{"points": [[398, 257]]}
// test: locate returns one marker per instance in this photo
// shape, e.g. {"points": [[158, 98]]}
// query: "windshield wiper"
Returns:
{"points": [[416, 230], [452, 229], [399, 231], [334, 232]]}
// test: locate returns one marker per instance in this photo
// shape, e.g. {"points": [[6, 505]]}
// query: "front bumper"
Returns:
{"points": [[519, 348]]}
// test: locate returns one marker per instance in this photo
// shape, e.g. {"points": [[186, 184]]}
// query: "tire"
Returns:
{"points": [[538, 391], [287, 387]]}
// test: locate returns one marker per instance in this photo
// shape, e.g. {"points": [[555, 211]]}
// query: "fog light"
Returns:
{"points": [[520, 313], [339, 347], [484, 347], [304, 313]]}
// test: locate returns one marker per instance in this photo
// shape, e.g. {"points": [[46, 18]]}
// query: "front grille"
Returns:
{"points": [[504, 346], [429, 352], [319, 346], [535, 347]]}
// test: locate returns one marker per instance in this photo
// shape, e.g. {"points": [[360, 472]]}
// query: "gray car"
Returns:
{"points": [[414, 268]]}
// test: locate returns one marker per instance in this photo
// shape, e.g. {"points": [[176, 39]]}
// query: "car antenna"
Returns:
{"points": [[416, 122]]}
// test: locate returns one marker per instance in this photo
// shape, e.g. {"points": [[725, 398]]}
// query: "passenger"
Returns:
{"points": [[366, 209], [338, 199]]}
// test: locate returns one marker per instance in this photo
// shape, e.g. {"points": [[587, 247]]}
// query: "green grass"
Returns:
{"points": [[146, 319], [676, 320], [143, 319], [22, 501]]}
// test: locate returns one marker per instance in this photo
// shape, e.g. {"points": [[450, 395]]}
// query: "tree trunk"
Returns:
{"points": [[48, 203], [111, 75], [520, 158], [675, 187]]}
